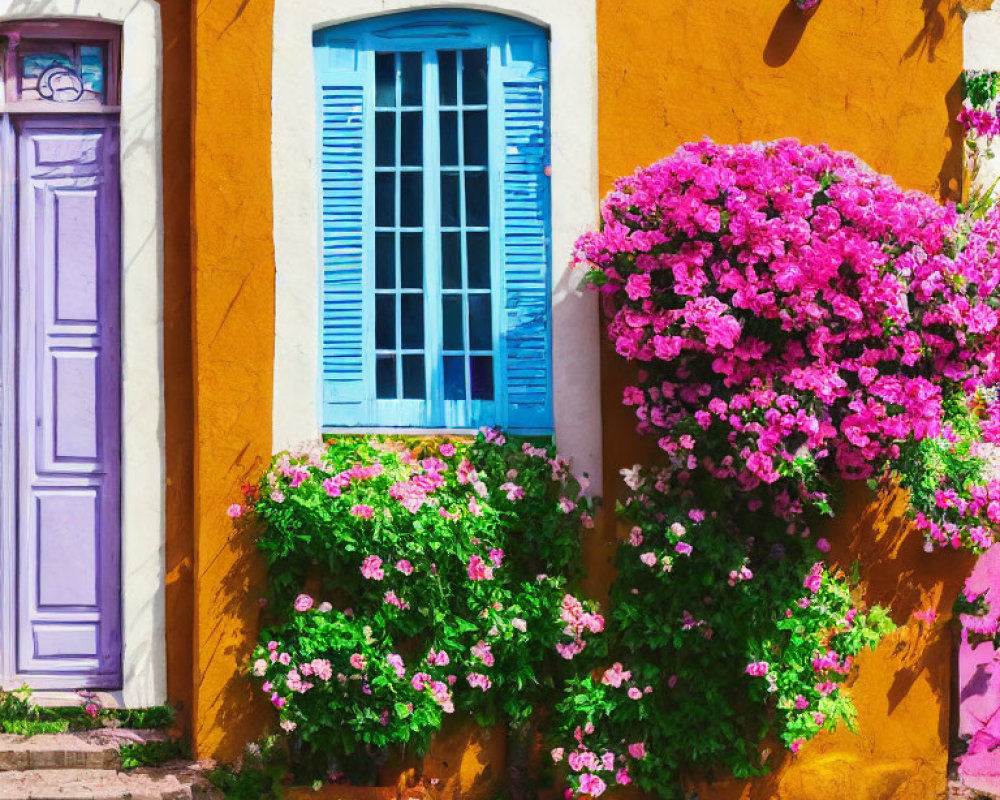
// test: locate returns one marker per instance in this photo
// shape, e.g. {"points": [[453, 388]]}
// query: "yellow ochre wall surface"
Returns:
{"points": [[233, 324], [878, 77]]}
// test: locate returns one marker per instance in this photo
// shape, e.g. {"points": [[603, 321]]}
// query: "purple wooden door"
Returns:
{"points": [[68, 406]]}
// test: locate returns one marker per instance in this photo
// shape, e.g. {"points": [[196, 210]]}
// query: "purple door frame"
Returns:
{"points": [[60, 573]]}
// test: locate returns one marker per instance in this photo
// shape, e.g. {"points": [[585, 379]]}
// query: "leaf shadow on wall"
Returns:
{"points": [[932, 32], [896, 572], [785, 36]]}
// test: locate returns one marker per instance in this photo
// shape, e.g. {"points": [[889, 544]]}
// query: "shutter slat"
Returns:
{"points": [[342, 203], [526, 251]]}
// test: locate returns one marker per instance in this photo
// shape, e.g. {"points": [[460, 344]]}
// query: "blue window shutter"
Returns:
{"points": [[526, 239], [344, 251]]}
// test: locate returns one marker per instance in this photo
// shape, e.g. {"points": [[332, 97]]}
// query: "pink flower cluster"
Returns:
{"points": [[969, 517], [978, 122], [586, 763], [578, 622], [784, 299]]}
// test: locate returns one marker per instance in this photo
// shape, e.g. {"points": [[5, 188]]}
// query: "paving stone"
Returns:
{"points": [[173, 782], [56, 751]]}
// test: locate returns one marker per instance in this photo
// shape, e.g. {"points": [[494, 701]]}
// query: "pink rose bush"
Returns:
{"points": [[444, 574]]}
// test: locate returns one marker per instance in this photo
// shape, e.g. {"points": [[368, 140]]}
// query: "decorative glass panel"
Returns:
{"points": [[62, 72]]}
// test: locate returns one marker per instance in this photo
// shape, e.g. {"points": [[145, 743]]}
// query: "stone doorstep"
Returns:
{"points": [[170, 782], [79, 750]]}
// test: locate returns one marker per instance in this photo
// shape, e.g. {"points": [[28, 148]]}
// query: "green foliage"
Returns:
{"points": [[258, 776], [686, 637], [980, 87], [442, 567], [152, 754], [19, 716]]}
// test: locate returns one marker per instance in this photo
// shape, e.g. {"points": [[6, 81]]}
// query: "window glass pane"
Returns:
{"points": [[451, 260], [412, 321], [385, 79], [454, 377], [411, 256], [385, 199], [449, 138], [448, 71], [385, 260], [451, 313], [478, 249], [92, 68], [473, 76], [480, 322], [414, 382], [477, 199], [412, 138], [385, 138], [474, 137], [385, 322], [412, 199], [449, 200], [482, 377], [411, 68], [385, 377]]}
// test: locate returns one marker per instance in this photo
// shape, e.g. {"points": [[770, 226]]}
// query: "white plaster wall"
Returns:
{"points": [[143, 442], [576, 369]]}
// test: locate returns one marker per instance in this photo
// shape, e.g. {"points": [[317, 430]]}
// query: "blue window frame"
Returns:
{"points": [[434, 222]]}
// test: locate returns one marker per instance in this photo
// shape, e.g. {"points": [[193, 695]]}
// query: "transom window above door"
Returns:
{"points": [[52, 66], [434, 149]]}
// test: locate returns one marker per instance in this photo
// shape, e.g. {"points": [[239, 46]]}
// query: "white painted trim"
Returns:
{"points": [[576, 366], [143, 466]]}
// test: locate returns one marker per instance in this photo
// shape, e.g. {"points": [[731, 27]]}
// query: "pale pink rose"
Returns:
{"points": [[363, 511], [235, 511], [447, 449], [287, 725], [592, 785], [358, 661], [324, 607], [557, 754], [404, 566], [303, 602], [259, 667], [622, 777], [634, 693], [637, 750]]}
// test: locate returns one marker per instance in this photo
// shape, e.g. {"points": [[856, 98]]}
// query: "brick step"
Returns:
{"points": [[93, 750], [179, 781]]}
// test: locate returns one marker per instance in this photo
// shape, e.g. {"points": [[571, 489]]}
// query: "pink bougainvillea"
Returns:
{"points": [[783, 299]]}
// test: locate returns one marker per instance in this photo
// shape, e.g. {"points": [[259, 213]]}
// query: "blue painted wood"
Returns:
{"points": [[526, 319], [518, 153], [345, 176]]}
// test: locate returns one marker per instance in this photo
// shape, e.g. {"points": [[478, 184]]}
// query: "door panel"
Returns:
{"points": [[68, 359]]}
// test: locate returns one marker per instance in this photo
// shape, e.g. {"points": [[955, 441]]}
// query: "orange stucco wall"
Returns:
{"points": [[233, 325], [879, 78]]}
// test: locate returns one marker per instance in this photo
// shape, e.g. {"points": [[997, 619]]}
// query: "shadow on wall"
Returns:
{"points": [[238, 714], [786, 35], [902, 691]]}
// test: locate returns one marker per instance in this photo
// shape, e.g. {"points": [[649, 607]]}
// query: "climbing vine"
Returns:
{"points": [[796, 320]]}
